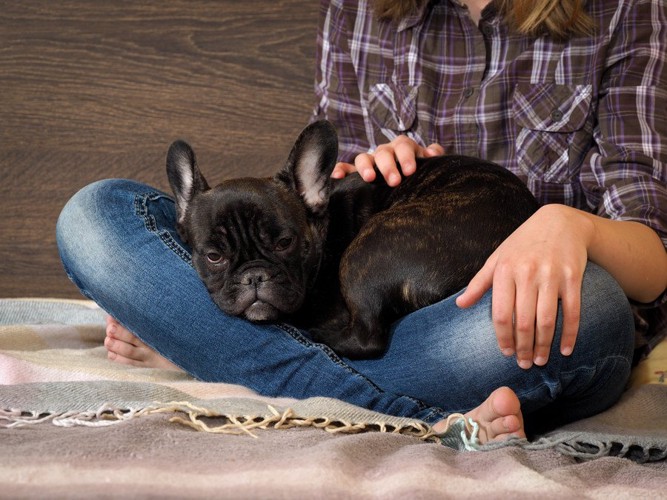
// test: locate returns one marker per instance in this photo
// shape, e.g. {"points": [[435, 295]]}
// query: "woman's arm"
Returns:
{"points": [[544, 260]]}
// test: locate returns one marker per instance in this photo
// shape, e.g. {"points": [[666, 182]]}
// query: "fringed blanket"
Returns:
{"points": [[74, 424]]}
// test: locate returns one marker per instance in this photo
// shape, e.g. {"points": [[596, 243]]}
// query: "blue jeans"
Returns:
{"points": [[118, 243]]}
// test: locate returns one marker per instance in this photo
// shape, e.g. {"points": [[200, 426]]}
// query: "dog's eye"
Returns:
{"points": [[283, 244], [214, 257]]}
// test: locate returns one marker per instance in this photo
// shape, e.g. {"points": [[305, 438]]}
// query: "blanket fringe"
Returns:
{"points": [[460, 433], [596, 449], [287, 419], [585, 448], [104, 416], [194, 417]]}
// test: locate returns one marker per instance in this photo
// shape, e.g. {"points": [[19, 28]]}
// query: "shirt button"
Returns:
{"points": [[556, 115], [468, 92]]}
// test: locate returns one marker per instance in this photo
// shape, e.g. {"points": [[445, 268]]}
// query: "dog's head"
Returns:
{"points": [[257, 243]]}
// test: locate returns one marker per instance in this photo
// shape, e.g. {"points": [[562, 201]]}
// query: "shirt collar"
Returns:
{"points": [[412, 20], [416, 18]]}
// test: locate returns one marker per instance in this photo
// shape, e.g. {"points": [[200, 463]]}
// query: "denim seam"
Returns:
{"points": [[617, 358], [141, 209], [169, 241], [596, 365], [299, 337], [558, 387]]}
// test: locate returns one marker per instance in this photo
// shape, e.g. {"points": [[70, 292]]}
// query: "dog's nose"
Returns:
{"points": [[255, 277]]}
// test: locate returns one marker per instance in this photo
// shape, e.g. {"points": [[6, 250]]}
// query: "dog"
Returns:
{"points": [[342, 259]]}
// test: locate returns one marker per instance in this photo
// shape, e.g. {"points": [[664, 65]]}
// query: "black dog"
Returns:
{"points": [[343, 258]]}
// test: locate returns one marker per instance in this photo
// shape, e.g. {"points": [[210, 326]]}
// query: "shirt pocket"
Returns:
{"points": [[393, 108], [551, 129]]}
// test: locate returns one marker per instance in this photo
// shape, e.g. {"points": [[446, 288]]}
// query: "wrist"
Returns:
{"points": [[571, 222]]}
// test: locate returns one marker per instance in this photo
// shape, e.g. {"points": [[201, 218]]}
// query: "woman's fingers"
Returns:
{"points": [[545, 323], [342, 169], [385, 160], [502, 310], [392, 160], [433, 150], [525, 307], [479, 284], [571, 305]]}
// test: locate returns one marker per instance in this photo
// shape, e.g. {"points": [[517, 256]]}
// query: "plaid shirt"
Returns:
{"points": [[582, 122]]}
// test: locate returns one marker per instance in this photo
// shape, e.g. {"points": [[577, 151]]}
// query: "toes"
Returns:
{"points": [[123, 349], [499, 416], [116, 331], [112, 356], [502, 412], [112, 324], [505, 427], [502, 402]]}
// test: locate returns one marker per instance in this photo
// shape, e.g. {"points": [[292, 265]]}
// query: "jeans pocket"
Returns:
{"points": [[552, 129]]}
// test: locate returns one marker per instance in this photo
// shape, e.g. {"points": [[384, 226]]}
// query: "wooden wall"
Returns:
{"points": [[97, 89]]}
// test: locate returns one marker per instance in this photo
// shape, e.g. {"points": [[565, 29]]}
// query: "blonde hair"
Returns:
{"points": [[558, 18]]}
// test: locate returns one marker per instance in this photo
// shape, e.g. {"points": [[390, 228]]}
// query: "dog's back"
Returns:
{"points": [[421, 242]]}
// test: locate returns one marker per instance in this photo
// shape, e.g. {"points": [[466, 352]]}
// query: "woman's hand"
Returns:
{"points": [[401, 153], [541, 262]]}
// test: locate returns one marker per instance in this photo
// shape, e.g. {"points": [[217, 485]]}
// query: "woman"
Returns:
{"points": [[563, 96]]}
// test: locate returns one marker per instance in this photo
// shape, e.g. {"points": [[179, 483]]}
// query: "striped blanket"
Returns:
{"points": [[71, 422]]}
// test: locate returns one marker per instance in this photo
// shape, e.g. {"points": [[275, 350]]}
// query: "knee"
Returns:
{"points": [[602, 297], [77, 223], [93, 201], [89, 211], [606, 314], [90, 223]]}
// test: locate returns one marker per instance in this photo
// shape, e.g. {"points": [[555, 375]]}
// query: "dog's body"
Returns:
{"points": [[343, 259]]}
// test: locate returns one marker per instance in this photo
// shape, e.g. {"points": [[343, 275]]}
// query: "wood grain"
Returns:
{"points": [[95, 89]]}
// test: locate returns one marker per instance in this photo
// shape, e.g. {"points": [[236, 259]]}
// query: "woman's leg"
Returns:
{"points": [[118, 244], [460, 361]]}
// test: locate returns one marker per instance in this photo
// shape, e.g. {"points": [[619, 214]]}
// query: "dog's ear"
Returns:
{"points": [[184, 176], [310, 163]]}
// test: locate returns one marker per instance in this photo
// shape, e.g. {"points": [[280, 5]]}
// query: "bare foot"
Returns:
{"points": [[499, 417], [125, 348]]}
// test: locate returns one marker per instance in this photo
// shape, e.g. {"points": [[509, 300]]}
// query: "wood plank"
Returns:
{"points": [[94, 89]]}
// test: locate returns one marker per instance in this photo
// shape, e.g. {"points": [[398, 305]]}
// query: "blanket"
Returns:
{"points": [[72, 422]]}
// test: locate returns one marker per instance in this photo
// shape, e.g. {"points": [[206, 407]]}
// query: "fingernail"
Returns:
{"points": [[111, 330], [525, 363], [508, 351], [566, 351], [540, 361], [394, 179]]}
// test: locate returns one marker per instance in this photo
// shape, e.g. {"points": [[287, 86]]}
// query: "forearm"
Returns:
{"points": [[630, 251]]}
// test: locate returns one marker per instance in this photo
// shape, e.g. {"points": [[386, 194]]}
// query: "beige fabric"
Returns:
{"points": [[54, 362]]}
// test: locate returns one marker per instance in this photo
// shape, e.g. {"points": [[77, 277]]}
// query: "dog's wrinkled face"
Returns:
{"points": [[253, 247], [256, 243]]}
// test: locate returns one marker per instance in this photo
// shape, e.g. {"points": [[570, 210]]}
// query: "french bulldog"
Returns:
{"points": [[342, 259]]}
